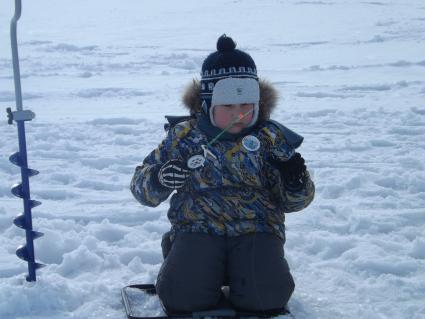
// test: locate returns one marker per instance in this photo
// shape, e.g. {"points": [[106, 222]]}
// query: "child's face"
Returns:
{"points": [[225, 114]]}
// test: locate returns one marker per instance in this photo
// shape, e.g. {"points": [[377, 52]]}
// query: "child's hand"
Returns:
{"points": [[173, 174], [293, 170]]}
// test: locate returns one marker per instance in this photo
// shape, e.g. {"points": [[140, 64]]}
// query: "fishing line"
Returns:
{"points": [[198, 160], [229, 126]]}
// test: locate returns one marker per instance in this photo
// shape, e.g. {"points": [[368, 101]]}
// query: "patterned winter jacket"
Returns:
{"points": [[237, 191]]}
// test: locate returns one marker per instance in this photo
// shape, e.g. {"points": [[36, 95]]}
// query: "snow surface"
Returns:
{"points": [[100, 75]]}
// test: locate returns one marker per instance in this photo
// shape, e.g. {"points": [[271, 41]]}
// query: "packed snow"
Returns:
{"points": [[100, 75]]}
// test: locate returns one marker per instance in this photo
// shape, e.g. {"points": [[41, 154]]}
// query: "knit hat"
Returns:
{"points": [[229, 76]]}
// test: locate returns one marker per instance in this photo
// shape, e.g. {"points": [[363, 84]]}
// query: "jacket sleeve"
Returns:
{"points": [[296, 200], [290, 200], [144, 184]]}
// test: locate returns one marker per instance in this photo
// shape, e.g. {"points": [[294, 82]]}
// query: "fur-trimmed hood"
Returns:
{"points": [[268, 98]]}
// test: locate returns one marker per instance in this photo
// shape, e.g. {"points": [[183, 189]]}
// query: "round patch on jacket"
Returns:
{"points": [[251, 143], [195, 161]]}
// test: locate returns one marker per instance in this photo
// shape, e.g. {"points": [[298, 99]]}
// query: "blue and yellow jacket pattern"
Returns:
{"points": [[236, 192]]}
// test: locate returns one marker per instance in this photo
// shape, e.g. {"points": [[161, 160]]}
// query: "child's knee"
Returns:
{"points": [[263, 297], [192, 274], [186, 297]]}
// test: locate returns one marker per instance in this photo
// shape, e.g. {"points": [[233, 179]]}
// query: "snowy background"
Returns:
{"points": [[100, 75]]}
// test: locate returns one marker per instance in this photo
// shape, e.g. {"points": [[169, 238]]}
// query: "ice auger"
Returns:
{"points": [[22, 190]]}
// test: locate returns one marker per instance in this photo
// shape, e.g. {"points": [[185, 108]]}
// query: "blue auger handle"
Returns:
{"points": [[22, 190]]}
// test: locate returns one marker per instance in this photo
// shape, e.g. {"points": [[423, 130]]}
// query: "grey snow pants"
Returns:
{"points": [[198, 265]]}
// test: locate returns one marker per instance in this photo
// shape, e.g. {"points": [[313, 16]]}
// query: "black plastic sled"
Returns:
{"points": [[133, 294]]}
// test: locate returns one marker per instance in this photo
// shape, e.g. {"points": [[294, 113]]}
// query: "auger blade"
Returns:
{"points": [[34, 203], [19, 221], [36, 234], [16, 159], [17, 190], [38, 265], [22, 252], [32, 172]]}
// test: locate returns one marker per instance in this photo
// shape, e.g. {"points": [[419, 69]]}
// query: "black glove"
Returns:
{"points": [[293, 170], [173, 174]]}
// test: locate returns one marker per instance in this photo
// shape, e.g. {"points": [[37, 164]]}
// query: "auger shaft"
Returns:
{"points": [[15, 56], [22, 190], [26, 200]]}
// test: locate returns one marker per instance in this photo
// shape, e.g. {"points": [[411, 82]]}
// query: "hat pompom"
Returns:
{"points": [[225, 43]]}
